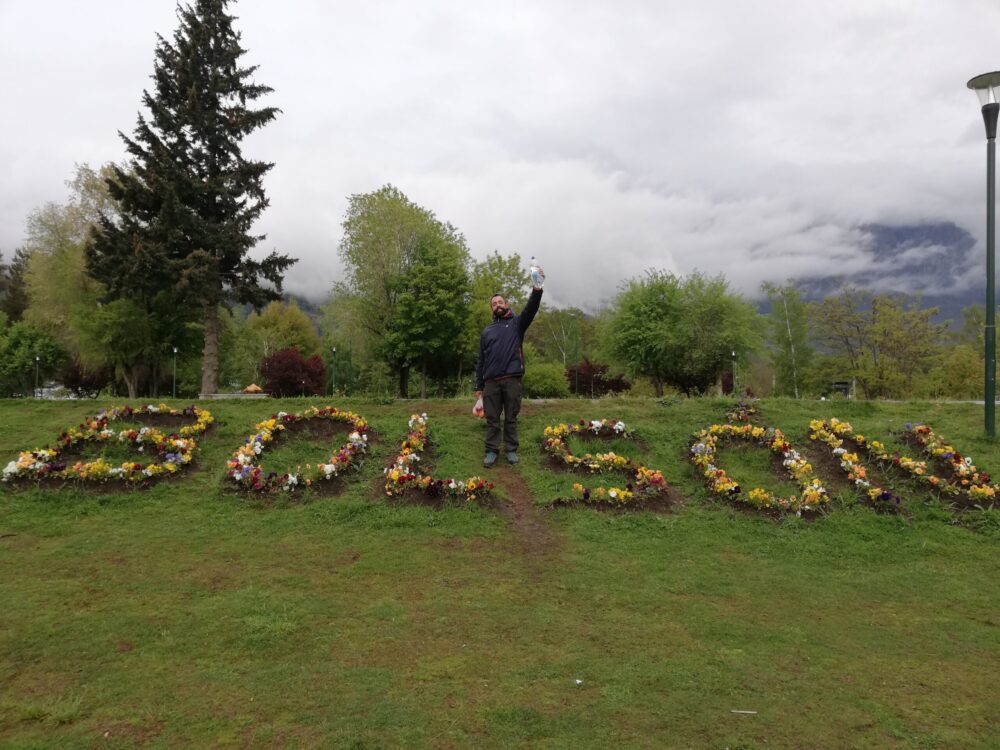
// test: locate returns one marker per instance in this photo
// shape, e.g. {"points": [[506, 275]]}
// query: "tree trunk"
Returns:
{"points": [[404, 382], [423, 379], [210, 353], [658, 387], [131, 378]]}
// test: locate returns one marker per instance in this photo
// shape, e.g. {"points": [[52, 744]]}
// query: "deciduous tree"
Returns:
{"points": [[388, 240], [884, 340], [788, 337], [680, 331]]}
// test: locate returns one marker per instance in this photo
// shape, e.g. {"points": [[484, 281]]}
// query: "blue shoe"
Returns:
{"points": [[512, 457], [490, 459]]}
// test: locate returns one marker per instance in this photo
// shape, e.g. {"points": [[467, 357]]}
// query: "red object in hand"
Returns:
{"points": [[477, 410]]}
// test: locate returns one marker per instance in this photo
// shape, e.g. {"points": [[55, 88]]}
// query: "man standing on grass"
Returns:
{"points": [[499, 370]]}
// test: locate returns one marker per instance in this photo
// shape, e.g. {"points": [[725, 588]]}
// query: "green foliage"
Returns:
{"points": [[13, 292], [135, 340], [680, 332], [563, 335], [430, 311], [244, 342], [188, 200], [885, 341], [954, 373], [406, 282], [55, 275], [20, 344], [545, 380]]}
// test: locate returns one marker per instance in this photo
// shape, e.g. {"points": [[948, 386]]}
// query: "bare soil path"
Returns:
{"points": [[528, 529]]}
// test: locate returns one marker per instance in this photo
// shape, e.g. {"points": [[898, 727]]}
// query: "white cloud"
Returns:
{"points": [[750, 139]]}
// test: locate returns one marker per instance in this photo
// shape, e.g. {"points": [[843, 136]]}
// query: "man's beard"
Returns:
{"points": [[501, 312]]}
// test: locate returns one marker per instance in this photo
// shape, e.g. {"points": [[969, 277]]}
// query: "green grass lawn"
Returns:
{"points": [[183, 615]]}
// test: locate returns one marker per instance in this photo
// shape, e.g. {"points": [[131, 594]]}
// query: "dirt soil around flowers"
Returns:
{"points": [[827, 466], [667, 501]]}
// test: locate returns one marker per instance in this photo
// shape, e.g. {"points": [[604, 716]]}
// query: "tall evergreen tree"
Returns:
{"points": [[14, 296], [188, 198]]}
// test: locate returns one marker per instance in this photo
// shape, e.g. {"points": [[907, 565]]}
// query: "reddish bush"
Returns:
{"points": [[288, 373], [82, 382], [594, 380]]}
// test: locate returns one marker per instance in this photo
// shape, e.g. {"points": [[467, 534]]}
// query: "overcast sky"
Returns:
{"points": [[748, 138]]}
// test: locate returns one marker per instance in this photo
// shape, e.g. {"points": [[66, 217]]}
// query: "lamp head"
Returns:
{"points": [[987, 87]]}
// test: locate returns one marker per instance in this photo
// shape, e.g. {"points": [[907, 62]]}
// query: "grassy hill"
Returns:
{"points": [[185, 614]]}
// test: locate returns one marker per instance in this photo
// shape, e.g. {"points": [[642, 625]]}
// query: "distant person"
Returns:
{"points": [[499, 370]]}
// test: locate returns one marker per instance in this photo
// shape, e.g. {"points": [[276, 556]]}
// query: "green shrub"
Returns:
{"points": [[545, 380]]}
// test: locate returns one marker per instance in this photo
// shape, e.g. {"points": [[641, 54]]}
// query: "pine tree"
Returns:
{"points": [[14, 296], [188, 198]]}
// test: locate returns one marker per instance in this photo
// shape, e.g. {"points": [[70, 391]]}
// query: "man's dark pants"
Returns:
{"points": [[502, 395]]}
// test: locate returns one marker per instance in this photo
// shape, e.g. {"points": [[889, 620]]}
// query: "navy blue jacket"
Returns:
{"points": [[500, 353]]}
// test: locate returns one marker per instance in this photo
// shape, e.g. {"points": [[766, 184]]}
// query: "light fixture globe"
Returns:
{"points": [[987, 87]]}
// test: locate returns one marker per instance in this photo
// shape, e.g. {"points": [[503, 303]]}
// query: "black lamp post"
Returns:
{"points": [[175, 373], [987, 87], [734, 375], [333, 371], [37, 359]]}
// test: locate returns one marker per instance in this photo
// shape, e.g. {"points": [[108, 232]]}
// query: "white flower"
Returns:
{"points": [[9, 470], [612, 493], [619, 426], [595, 425]]}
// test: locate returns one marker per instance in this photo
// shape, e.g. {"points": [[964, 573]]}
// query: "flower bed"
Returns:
{"points": [[173, 450], [405, 473], [704, 454], [966, 482], [879, 497], [245, 469], [645, 482], [965, 477]]}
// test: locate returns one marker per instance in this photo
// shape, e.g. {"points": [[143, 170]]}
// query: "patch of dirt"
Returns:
{"points": [[826, 466], [323, 428], [529, 531], [667, 501]]}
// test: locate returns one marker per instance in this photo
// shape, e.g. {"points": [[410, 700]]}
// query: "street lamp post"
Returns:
{"points": [[37, 359], [333, 371], [174, 391], [734, 375], [987, 88]]}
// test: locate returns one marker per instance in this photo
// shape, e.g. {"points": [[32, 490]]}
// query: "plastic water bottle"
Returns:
{"points": [[537, 277]]}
